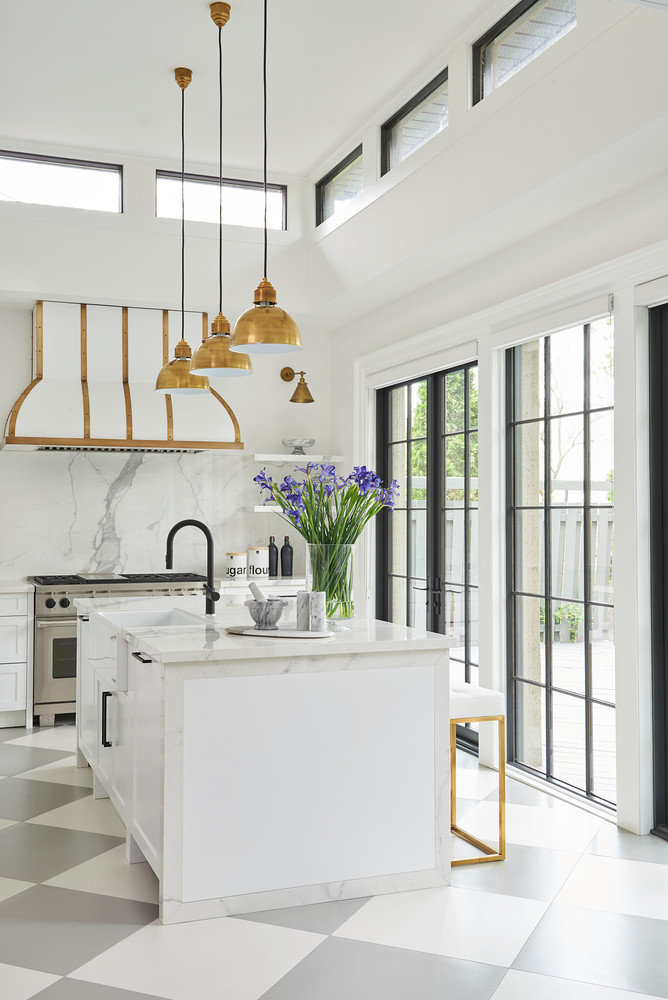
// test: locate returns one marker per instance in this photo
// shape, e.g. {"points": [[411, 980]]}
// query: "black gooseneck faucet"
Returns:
{"points": [[212, 595]]}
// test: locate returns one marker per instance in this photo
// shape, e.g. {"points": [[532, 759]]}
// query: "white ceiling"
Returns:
{"points": [[96, 76]]}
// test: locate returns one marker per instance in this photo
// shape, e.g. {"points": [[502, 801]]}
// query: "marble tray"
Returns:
{"points": [[281, 633]]}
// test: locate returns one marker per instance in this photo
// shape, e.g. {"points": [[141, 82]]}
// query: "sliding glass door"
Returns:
{"points": [[560, 477], [428, 547]]}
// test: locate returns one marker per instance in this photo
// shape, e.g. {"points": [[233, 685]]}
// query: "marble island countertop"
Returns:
{"points": [[207, 639]]}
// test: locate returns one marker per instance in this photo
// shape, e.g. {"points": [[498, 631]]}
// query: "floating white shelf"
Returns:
{"points": [[259, 508], [298, 459]]}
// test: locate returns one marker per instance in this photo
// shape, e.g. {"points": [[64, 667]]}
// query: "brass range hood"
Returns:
{"points": [[93, 385]]}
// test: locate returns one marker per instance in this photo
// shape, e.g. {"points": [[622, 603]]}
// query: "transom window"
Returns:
{"points": [[243, 201], [420, 119], [64, 183], [527, 30], [339, 188]]}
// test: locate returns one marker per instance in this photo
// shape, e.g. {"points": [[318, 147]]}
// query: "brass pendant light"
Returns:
{"points": [[213, 356], [175, 378], [265, 329]]}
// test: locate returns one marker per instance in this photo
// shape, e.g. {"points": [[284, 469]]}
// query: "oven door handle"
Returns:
{"points": [[56, 621]]}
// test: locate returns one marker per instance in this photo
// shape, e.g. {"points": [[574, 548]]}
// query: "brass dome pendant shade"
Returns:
{"points": [[266, 328], [213, 356], [175, 378]]}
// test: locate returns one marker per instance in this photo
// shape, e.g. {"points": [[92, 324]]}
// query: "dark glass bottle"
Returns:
{"points": [[273, 556], [286, 557]]}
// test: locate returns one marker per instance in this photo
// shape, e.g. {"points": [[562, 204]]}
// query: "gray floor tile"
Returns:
{"points": [[339, 969], [14, 760], [321, 918], [32, 852], [592, 946], [611, 842], [532, 872], [67, 928], [21, 799], [12, 734], [74, 989]]}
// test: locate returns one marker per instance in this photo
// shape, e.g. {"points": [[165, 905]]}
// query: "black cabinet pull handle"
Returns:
{"points": [[142, 658], [106, 695]]}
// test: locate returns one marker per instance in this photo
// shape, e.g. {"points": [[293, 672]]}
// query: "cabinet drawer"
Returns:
{"points": [[12, 687], [13, 639], [14, 604]]}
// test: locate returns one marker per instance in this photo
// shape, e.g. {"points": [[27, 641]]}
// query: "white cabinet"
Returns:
{"points": [[119, 730], [15, 657]]}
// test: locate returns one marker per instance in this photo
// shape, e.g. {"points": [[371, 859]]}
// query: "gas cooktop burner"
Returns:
{"points": [[116, 578]]}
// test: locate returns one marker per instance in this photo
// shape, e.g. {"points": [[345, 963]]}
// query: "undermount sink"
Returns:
{"points": [[152, 618]]}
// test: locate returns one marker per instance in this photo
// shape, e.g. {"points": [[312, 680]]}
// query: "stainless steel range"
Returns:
{"points": [[56, 626]]}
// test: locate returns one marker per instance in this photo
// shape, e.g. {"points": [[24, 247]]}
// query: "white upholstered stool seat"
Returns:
{"points": [[469, 703]]}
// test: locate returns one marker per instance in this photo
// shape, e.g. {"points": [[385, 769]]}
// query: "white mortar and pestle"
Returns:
{"points": [[264, 612]]}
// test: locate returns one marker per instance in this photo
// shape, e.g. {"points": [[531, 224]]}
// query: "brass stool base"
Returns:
{"points": [[489, 853]]}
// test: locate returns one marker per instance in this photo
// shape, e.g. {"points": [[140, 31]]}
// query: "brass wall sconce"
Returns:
{"points": [[302, 393]]}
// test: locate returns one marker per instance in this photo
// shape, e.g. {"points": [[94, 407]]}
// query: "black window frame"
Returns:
{"points": [[404, 112], [513, 679], [69, 161], [228, 182], [328, 178], [658, 435], [501, 25]]}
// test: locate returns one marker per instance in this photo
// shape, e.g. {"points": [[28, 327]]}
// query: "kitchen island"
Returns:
{"points": [[262, 772]]}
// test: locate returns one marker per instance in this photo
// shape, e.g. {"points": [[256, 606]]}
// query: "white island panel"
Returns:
{"points": [[298, 779]]}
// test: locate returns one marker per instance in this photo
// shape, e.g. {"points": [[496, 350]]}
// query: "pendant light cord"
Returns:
{"points": [[220, 169], [183, 211], [264, 88]]}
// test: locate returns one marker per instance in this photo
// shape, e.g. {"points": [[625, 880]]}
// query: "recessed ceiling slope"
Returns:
{"points": [[91, 77]]}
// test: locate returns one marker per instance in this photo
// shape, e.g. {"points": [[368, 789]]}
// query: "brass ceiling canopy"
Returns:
{"points": [[175, 376], [302, 393], [265, 329], [183, 76], [213, 356], [220, 14]]}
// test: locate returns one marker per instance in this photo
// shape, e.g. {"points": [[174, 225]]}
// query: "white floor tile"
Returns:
{"points": [[638, 888], [562, 828], [89, 814], [58, 738], [21, 984], [476, 784], [12, 887], [110, 875], [238, 959], [62, 772], [457, 923], [529, 986]]}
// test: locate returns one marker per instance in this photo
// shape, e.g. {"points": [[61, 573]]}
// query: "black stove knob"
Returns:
{"points": [[50, 603], [64, 602]]}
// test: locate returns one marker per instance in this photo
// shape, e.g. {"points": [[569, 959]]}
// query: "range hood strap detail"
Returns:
{"points": [[126, 374], [165, 359], [39, 367], [84, 373]]}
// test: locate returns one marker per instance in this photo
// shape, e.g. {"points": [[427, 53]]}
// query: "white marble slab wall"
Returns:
{"points": [[64, 512]]}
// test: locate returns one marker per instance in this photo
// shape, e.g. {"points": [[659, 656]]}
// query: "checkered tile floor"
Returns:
{"points": [[578, 911]]}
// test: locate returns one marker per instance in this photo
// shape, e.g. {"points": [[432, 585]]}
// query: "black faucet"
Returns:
{"points": [[212, 595]]}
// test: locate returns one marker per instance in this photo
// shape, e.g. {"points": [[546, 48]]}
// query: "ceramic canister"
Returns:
{"points": [[236, 566], [258, 563]]}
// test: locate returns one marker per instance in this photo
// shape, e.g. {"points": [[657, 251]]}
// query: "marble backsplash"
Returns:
{"points": [[86, 511]]}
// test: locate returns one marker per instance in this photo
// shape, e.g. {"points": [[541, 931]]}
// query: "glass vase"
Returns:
{"points": [[330, 568]]}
